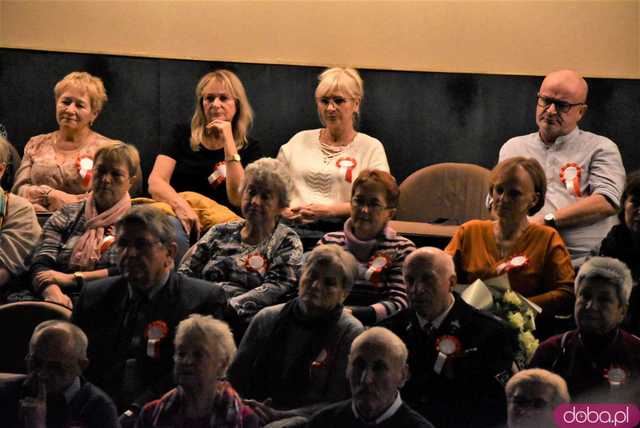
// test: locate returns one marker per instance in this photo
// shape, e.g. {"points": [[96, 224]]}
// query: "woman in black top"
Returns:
{"points": [[209, 158]]}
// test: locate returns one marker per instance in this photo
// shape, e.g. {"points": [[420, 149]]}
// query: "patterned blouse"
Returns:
{"points": [[253, 276], [59, 236], [43, 164]]}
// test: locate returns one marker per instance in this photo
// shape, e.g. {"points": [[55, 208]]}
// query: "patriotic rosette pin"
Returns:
{"points": [[615, 375], [570, 176], [218, 175], [447, 346], [346, 166], [85, 169], [155, 332], [106, 243], [514, 262], [256, 262], [377, 264], [320, 361]]}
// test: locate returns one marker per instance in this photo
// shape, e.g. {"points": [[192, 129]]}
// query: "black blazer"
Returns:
{"points": [[100, 312], [469, 389]]}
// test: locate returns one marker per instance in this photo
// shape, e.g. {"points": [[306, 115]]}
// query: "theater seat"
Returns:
{"points": [[445, 193], [18, 321]]}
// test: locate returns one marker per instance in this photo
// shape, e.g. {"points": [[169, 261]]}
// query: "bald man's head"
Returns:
{"points": [[561, 104], [429, 274]]}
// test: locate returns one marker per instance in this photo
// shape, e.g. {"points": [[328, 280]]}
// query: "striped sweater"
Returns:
{"points": [[379, 290]]}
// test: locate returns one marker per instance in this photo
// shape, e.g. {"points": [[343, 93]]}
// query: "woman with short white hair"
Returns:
{"points": [[324, 162], [204, 348], [598, 359]]}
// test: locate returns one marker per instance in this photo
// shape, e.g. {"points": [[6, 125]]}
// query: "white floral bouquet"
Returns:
{"points": [[496, 296]]}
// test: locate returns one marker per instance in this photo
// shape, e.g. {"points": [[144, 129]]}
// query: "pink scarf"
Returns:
{"points": [[86, 251]]}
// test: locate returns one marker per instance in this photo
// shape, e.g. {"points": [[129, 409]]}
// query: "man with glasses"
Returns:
{"points": [[54, 394], [584, 171], [532, 395], [131, 319]]}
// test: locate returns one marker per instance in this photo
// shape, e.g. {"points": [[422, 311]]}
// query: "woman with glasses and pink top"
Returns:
{"points": [[324, 162]]}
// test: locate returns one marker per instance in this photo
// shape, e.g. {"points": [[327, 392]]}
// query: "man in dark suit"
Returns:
{"points": [[131, 319], [459, 358], [54, 394]]}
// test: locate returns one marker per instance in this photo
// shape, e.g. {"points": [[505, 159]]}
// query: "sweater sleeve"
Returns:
{"points": [[19, 234]]}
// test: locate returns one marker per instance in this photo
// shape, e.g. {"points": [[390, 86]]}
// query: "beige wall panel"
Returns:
{"points": [[599, 38]]}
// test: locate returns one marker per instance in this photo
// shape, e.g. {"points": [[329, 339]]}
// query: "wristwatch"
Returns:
{"points": [[79, 278], [232, 158], [550, 220]]}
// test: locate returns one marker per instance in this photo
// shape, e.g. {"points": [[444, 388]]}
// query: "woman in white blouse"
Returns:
{"points": [[324, 162]]}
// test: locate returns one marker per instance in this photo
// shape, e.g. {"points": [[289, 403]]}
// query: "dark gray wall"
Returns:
{"points": [[422, 118]]}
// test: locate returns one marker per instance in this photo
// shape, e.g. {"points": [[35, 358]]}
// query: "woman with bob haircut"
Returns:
{"points": [[312, 335], [201, 168], [379, 290], [533, 256], [623, 243], [204, 348], [254, 260], [599, 360], [76, 243], [57, 167], [324, 162]]}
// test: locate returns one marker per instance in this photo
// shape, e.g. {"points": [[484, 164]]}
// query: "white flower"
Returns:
{"points": [[528, 342], [512, 298], [516, 320], [530, 323]]}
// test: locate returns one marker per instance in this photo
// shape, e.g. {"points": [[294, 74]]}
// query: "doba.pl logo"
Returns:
{"points": [[602, 415]]}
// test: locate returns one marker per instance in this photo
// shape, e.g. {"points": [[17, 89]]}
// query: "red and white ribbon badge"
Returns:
{"points": [[85, 169], [615, 375], [155, 332], [377, 264], [346, 166], [514, 262], [570, 176], [256, 262], [218, 175], [320, 361], [106, 243], [447, 346]]}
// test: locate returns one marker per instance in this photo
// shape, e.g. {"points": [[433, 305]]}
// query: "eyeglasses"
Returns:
{"points": [[561, 106], [336, 101], [371, 205], [531, 403], [36, 364], [138, 244]]}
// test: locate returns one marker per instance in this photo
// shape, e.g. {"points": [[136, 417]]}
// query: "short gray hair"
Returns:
{"points": [[382, 337], [337, 256], [153, 220], [217, 334], [611, 270], [272, 174], [530, 377], [80, 341]]}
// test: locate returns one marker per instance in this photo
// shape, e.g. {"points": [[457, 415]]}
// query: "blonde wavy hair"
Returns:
{"points": [[241, 122], [92, 85]]}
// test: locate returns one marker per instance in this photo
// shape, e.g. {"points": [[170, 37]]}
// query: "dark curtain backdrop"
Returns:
{"points": [[421, 118]]}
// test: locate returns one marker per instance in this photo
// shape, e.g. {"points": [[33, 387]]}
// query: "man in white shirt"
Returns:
{"points": [[585, 174]]}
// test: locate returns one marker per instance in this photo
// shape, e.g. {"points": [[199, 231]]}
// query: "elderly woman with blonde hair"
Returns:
{"points": [[199, 170], [77, 241], [19, 228], [204, 348], [254, 260], [57, 167], [324, 162]]}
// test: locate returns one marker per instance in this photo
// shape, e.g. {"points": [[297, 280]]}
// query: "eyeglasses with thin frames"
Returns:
{"points": [[372, 205], [336, 101]]}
